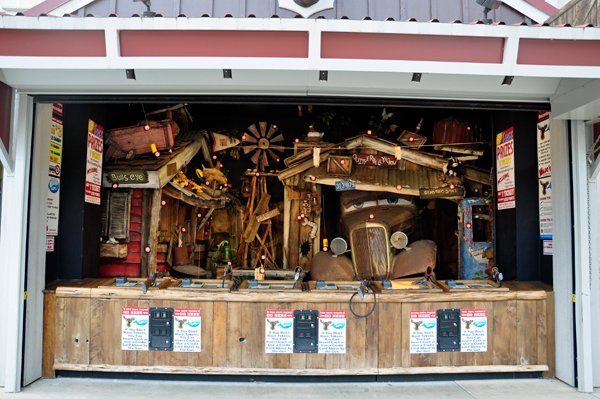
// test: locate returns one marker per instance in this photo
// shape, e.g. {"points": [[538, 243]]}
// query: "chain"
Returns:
{"points": [[593, 149]]}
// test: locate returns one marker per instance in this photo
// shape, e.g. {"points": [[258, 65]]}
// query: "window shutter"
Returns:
{"points": [[105, 204], [120, 207]]}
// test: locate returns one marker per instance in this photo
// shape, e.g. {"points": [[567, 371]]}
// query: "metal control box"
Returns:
{"points": [[306, 332], [161, 329], [448, 330]]}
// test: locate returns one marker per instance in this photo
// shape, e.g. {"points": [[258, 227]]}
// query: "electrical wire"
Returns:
{"points": [[371, 311]]}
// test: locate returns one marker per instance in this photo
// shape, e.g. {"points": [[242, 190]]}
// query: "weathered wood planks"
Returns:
{"points": [[88, 323]]}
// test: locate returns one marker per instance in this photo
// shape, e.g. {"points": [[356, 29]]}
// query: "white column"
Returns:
{"points": [[583, 321], [562, 259], [13, 243]]}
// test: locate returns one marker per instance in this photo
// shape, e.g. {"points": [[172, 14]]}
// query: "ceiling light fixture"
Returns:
{"points": [[227, 74], [416, 78], [130, 73], [323, 76]]}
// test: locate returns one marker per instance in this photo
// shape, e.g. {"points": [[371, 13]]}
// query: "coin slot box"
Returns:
{"points": [[306, 333], [161, 329], [334, 286], [200, 285], [448, 330], [271, 286]]}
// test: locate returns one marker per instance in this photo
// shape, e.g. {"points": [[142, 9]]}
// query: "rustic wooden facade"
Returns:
{"points": [[82, 323]]}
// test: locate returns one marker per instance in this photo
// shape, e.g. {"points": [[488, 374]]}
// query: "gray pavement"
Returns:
{"points": [[63, 388]]}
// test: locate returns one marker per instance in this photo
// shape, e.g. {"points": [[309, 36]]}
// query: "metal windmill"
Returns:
{"points": [[262, 143]]}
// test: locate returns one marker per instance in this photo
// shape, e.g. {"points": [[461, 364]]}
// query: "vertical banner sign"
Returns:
{"points": [[135, 329], [423, 331], [279, 328], [505, 169], [187, 336], [52, 206], [49, 244], [93, 168], [544, 175], [56, 140], [332, 331], [473, 330]]}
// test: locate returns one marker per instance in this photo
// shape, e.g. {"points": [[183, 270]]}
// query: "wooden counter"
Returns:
{"points": [[88, 323]]}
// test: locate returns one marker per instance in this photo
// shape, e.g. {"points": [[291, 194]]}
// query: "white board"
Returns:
{"points": [[279, 328], [505, 169], [93, 168], [473, 330], [423, 331], [187, 330], [52, 206], [135, 328], [332, 331]]}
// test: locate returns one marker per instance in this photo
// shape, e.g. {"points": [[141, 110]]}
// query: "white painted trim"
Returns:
{"points": [[5, 154], [13, 243], [36, 266], [595, 279], [529, 10], [583, 330]]}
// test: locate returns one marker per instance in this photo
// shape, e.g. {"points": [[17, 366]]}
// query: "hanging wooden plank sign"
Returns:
{"points": [[442, 192], [339, 165], [127, 176], [268, 215], [387, 161]]}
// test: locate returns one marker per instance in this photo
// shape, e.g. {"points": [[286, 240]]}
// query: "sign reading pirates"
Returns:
{"points": [[306, 8]]}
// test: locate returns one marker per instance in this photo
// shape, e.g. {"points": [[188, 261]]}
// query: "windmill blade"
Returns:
{"points": [[253, 130], [250, 139], [272, 154], [277, 148], [263, 128], [255, 156], [272, 131], [264, 158], [278, 138], [248, 148]]}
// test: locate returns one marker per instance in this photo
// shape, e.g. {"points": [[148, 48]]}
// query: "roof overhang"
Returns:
{"points": [[186, 56]]}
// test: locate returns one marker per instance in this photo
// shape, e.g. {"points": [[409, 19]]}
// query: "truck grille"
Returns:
{"points": [[370, 252]]}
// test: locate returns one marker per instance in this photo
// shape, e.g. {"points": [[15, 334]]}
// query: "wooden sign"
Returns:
{"points": [[387, 161], [345, 185], [127, 176], [441, 192], [339, 165], [268, 215], [305, 206]]}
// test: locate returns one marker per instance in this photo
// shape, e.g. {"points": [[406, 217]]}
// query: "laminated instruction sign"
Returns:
{"points": [[279, 327], [56, 140], [423, 331], [332, 331], [52, 206], [93, 167], [505, 169], [135, 329], [544, 175], [473, 330], [187, 336]]}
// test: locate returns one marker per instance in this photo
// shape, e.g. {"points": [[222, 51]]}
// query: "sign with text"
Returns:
{"points": [[545, 197], [50, 244], [423, 331], [279, 327], [544, 175], [375, 160], [93, 168], [548, 249], [135, 329], [345, 185], [473, 330], [56, 140], [332, 331], [52, 206], [268, 215], [127, 176], [187, 335], [441, 192], [505, 169]]}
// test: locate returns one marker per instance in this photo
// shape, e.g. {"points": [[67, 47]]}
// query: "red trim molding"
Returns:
{"points": [[384, 46], [559, 52], [52, 43], [210, 43]]}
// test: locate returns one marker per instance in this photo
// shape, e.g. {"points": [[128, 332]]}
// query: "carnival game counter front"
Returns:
{"points": [[106, 325]]}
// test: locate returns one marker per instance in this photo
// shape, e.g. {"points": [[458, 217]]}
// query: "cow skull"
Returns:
{"points": [[306, 8]]}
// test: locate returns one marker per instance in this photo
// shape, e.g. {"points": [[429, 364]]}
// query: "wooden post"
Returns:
{"points": [[286, 228], [193, 225], [144, 228], [153, 230]]}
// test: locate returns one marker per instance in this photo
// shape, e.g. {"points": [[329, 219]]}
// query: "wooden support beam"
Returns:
{"points": [[301, 167], [459, 150], [180, 160], [153, 230]]}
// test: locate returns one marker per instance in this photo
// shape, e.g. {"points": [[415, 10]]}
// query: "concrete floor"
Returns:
{"points": [[64, 388]]}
